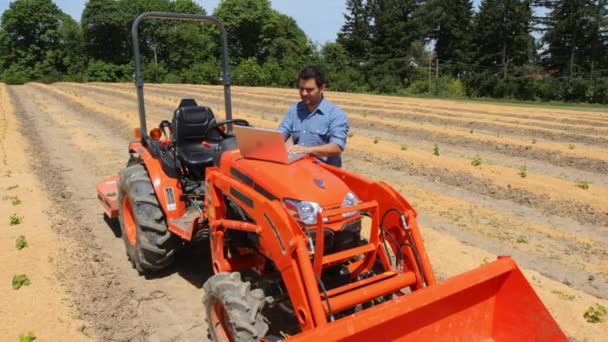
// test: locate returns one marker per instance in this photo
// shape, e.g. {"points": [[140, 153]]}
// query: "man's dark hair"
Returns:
{"points": [[313, 71]]}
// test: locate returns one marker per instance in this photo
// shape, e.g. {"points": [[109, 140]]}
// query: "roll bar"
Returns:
{"points": [[139, 78]]}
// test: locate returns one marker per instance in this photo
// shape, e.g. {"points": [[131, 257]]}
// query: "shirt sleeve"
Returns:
{"points": [[338, 128], [286, 125]]}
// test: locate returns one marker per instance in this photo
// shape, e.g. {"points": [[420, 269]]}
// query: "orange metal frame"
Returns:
{"points": [[282, 240]]}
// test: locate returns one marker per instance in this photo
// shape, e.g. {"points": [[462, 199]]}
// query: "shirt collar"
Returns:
{"points": [[322, 107]]}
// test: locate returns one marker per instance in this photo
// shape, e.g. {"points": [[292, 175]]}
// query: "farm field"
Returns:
{"points": [[486, 180]]}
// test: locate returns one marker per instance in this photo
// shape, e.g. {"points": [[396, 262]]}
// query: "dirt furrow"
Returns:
{"points": [[116, 302]]}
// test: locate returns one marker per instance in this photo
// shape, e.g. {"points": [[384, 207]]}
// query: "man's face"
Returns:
{"points": [[310, 93]]}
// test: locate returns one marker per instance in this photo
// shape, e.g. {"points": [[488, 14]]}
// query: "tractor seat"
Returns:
{"points": [[190, 123]]}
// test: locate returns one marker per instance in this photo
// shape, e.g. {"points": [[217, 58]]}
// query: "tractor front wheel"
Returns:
{"points": [[233, 309], [150, 245]]}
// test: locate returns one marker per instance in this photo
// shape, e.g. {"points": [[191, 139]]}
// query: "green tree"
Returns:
{"points": [[37, 40], [502, 34], [395, 28], [342, 76], [249, 73], [576, 37], [273, 40], [244, 21], [73, 60], [105, 32], [354, 36], [451, 26]]}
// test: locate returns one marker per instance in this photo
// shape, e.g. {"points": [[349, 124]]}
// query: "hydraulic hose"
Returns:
{"points": [[408, 233], [331, 314]]}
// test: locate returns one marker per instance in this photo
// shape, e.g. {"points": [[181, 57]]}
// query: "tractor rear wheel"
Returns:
{"points": [[233, 309], [150, 246]]}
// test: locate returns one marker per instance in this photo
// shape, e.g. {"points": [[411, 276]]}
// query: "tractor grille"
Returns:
{"points": [[349, 236]]}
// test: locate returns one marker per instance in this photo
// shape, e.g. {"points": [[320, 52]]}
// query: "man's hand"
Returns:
{"points": [[300, 149], [327, 150]]}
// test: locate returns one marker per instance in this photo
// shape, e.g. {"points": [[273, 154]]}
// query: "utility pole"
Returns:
{"points": [[430, 61], [437, 76], [437, 68]]}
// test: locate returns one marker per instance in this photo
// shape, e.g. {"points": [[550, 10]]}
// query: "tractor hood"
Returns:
{"points": [[303, 180]]}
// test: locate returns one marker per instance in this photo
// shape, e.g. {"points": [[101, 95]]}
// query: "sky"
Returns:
{"points": [[320, 19]]}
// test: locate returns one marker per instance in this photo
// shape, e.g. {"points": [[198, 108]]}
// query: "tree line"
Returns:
{"points": [[505, 49]]}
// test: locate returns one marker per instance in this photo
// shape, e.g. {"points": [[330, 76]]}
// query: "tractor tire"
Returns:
{"points": [[233, 309], [149, 243]]}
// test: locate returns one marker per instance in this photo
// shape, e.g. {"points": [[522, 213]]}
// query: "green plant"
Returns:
{"points": [[436, 150], [27, 338], [476, 161], [15, 220], [351, 134], [20, 280], [15, 200], [20, 243], [403, 147], [595, 314], [522, 239], [523, 172], [583, 184], [376, 140], [563, 295], [571, 146]]}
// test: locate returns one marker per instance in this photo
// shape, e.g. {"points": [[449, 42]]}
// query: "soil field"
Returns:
{"points": [[486, 180]]}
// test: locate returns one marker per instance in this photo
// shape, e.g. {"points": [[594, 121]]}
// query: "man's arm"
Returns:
{"points": [[326, 150]]}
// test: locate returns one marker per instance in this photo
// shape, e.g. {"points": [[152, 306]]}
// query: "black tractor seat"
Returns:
{"points": [[191, 126]]}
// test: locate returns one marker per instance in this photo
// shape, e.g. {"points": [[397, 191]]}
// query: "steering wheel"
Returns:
{"points": [[238, 122], [166, 124]]}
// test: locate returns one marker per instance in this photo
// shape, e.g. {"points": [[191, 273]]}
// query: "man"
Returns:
{"points": [[317, 126]]}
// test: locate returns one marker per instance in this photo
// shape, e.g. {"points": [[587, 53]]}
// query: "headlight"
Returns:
{"points": [[307, 211], [350, 200]]}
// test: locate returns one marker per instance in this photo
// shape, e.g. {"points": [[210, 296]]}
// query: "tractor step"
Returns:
{"points": [[107, 194], [184, 226]]}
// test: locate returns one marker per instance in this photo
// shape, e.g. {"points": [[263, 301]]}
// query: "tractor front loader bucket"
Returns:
{"points": [[494, 302]]}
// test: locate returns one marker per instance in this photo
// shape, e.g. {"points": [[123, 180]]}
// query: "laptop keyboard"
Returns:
{"points": [[291, 157]]}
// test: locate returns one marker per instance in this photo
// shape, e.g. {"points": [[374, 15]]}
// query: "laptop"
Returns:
{"points": [[264, 144]]}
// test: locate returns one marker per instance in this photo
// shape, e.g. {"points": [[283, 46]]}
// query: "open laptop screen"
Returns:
{"points": [[263, 144]]}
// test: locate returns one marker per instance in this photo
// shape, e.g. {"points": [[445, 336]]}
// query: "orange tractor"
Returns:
{"points": [[300, 251]]}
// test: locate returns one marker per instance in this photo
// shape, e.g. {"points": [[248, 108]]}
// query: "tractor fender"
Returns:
{"points": [[168, 190]]}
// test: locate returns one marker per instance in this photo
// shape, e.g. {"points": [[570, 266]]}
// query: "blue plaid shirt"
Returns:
{"points": [[326, 124]]}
